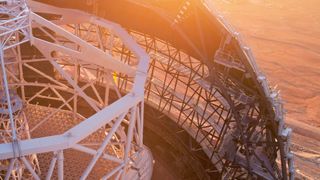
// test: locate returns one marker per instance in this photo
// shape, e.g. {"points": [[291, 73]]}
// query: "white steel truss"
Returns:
{"points": [[63, 75], [81, 80]]}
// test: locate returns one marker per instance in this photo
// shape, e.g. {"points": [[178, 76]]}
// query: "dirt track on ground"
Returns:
{"points": [[285, 38]]}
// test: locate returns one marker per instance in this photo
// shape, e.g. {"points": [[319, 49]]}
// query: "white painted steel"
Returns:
{"points": [[114, 115], [80, 53]]}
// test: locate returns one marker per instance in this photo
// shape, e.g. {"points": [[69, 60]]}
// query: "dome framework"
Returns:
{"points": [[83, 81]]}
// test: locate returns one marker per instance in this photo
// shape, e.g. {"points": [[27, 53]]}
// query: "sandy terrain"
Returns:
{"points": [[285, 38]]}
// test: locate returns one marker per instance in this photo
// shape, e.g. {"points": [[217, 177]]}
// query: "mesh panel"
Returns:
{"points": [[75, 162]]}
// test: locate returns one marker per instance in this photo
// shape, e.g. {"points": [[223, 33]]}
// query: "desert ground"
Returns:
{"points": [[284, 36]]}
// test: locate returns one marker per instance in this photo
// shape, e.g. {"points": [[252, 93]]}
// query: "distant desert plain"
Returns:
{"points": [[284, 36]]}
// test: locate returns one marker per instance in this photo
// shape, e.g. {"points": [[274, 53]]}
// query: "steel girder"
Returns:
{"points": [[75, 130], [225, 104]]}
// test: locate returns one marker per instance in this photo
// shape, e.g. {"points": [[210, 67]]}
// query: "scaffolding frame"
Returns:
{"points": [[239, 127]]}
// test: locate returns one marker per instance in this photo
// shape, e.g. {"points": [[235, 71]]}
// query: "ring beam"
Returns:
{"points": [[83, 81]]}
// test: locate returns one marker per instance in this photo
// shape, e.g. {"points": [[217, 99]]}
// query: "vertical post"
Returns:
{"points": [[129, 137], [20, 68], [107, 90], [51, 167], [283, 159], [60, 165], [102, 47], [130, 133], [75, 100], [110, 43], [100, 35], [76, 75], [141, 121], [6, 89]]}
